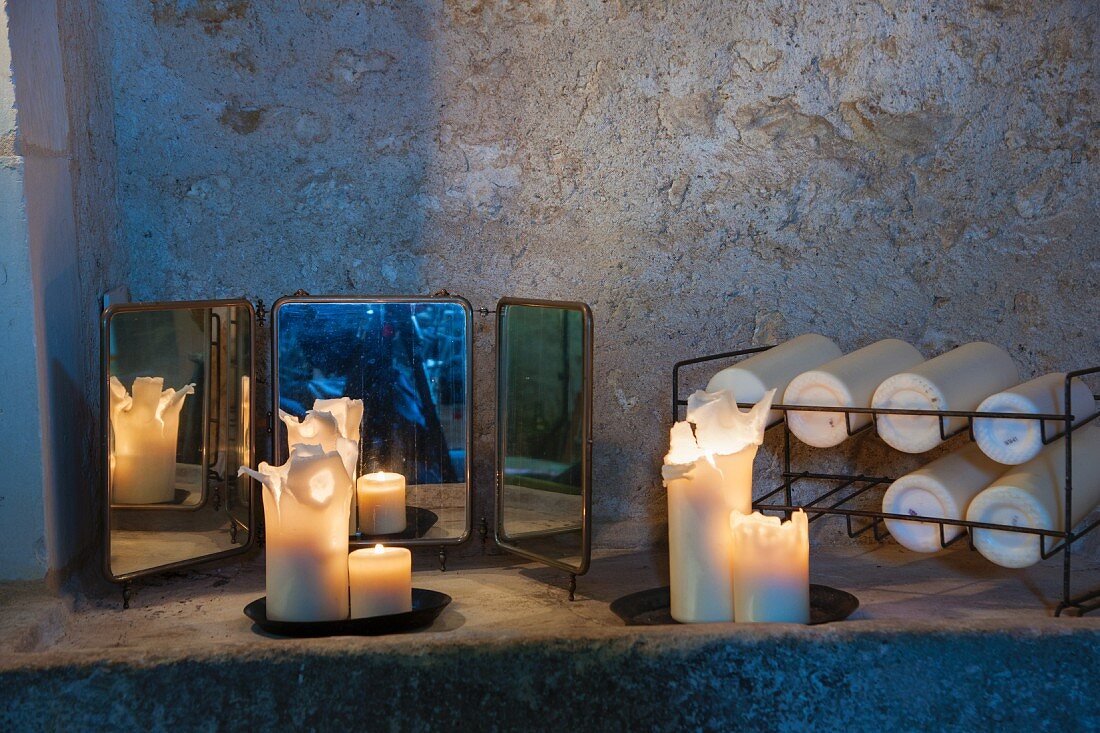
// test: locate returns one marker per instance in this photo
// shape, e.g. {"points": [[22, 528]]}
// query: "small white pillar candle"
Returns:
{"points": [[381, 497], [381, 581], [771, 568]]}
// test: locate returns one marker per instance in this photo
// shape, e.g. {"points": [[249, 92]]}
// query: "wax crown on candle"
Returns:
{"points": [[150, 402], [332, 424], [311, 476], [347, 412], [721, 427], [770, 533]]}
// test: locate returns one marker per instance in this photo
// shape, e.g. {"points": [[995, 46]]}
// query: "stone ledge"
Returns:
{"points": [[937, 641]]}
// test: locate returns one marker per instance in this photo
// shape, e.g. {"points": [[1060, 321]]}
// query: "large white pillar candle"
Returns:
{"points": [[1018, 441], [708, 474], [306, 505], [750, 378], [957, 380], [381, 581], [144, 438], [1033, 495], [849, 381], [771, 568], [943, 488], [381, 497]]}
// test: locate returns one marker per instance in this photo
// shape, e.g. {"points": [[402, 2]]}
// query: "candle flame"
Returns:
{"points": [[378, 549]]}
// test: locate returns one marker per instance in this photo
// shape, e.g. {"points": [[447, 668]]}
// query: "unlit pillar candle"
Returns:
{"points": [[750, 378], [944, 488], [849, 381], [1018, 441], [957, 380], [1033, 495]]}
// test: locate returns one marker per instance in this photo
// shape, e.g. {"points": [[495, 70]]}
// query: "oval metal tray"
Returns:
{"points": [[426, 607]]}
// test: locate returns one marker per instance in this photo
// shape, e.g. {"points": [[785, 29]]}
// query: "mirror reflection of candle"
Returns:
{"points": [[381, 581], [145, 432], [381, 497]]}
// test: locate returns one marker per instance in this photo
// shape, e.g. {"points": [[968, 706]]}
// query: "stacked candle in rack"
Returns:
{"points": [[1013, 474], [726, 563], [307, 504]]}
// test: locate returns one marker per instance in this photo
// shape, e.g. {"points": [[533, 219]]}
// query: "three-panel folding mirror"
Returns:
{"points": [[177, 426], [179, 419]]}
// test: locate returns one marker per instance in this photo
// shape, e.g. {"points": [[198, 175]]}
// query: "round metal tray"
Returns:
{"points": [[651, 607]]}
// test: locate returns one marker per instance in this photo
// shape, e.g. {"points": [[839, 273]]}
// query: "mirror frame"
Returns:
{"points": [[105, 427], [586, 454], [276, 447]]}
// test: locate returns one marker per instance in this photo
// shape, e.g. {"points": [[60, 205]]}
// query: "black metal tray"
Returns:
{"points": [[652, 607], [426, 607]]}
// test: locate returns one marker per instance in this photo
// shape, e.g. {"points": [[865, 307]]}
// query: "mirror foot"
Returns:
{"points": [[127, 594], [442, 559], [572, 587]]}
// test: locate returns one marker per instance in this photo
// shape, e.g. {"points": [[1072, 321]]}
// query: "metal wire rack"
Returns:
{"points": [[844, 488]]}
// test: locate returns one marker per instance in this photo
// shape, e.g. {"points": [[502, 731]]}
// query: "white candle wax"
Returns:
{"points": [[306, 505], [708, 474], [144, 437], [771, 568], [957, 380], [381, 497], [1034, 495], [751, 378], [381, 581]]}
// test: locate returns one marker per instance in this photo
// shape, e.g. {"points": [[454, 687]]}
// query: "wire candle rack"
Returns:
{"points": [[858, 521]]}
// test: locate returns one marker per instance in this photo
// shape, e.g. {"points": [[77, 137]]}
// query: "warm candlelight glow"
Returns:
{"points": [[381, 497], [144, 436], [306, 505], [381, 581], [771, 568], [708, 474]]}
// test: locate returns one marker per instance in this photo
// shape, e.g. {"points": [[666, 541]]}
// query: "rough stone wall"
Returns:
{"points": [[707, 175]]}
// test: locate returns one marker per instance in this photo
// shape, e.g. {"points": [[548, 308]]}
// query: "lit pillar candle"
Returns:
{"points": [[708, 474], [306, 505], [333, 424], [381, 498], [771, 568], [381, 581], [144, 437]]}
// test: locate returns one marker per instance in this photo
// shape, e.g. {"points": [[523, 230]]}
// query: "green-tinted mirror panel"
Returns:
{"points": [[544, 423]]}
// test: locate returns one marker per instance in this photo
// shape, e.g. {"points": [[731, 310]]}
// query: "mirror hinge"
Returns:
{"points": [[269, 426], [261, 313]]}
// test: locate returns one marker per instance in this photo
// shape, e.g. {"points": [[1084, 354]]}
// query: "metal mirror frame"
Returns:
{"points": [[586, 454], [276, 448], [105, 427]]}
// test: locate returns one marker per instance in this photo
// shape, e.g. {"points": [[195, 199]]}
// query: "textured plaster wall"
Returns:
{"points": [[61, 209], [22, 517], [706, 175]]}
